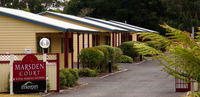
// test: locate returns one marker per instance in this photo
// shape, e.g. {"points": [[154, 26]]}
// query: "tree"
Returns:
{"points": [[183, 55], [34, 6], [144, 13], [181, 14]]}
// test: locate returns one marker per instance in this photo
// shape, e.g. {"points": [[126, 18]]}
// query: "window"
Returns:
{"points": [[70, 45], [107, 40], [95, 40]]}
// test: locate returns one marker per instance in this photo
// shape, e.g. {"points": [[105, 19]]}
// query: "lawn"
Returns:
{"points": [[19, 95]]}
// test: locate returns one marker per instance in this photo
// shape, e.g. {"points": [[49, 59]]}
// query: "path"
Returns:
{"points": [[141, 80]]}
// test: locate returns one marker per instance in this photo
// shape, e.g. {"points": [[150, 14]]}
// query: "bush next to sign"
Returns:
{"points": [[126, 59], [129, 49], [86, 72], [91, 58], [98, 57], [68, 77]]}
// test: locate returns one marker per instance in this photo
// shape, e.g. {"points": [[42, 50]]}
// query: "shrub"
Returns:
{"points": [[117, 54], [91, 58], [129, 49], [126, 59], [146, 50], [115, 67], [110, 51], [86, 72], [104, 62], [68, 77]]}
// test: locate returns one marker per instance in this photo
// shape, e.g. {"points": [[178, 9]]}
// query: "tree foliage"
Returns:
{"points": [[183, 56], [34, 6], [182, 14]]}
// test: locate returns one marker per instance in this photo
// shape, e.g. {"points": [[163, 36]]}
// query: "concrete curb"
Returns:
{"points": [[114, 73], [63, 90], [148, 59]]}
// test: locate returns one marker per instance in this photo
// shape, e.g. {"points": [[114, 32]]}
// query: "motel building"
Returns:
{"points": [[108, 34], [21, 31], [133, 30]]}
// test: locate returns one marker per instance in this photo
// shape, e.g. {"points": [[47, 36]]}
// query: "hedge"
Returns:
{"points": [[68, 77], [91, 58]]}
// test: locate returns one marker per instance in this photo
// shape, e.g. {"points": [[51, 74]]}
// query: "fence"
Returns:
{"points": [[52, 69]]}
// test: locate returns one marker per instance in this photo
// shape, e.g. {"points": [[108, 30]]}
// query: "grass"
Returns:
{"points": [[19, 95]]}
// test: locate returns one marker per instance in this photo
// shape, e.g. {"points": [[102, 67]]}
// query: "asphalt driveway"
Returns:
{"points": [[141, 80]]}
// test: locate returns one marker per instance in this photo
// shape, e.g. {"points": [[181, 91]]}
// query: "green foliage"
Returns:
{"points": [[117, 55], [192, 94], [115, 67], [183, 57], [146, 50], [126, 59], [129, 49], [110, 51], [112, 54], [68, 77], [182, 14], [122, 10], [91, 58], [155, 40], [98, 57], [34, 6], [86, 72], [104, 62]]}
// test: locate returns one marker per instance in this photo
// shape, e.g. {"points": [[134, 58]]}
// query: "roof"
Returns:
{"points": [[132, 26], [115, 24], [85, 21], [45, 21]]}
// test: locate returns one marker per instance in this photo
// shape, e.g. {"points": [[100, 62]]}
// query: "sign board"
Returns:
{"points": [[44, 43], [29, 75]]}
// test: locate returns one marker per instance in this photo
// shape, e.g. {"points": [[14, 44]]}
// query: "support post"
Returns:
{"points": [[113, 39], [11, 74], [110, 67], [88, 40], [192, 35], [45, 60], [78, 50], [58, 72], [72, 52], [118, 39], [83, 40], [66, 50]]}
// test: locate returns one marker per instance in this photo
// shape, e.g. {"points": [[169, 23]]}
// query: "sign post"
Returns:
{"points": [[11, 74], [29, 75], [45, 43]]}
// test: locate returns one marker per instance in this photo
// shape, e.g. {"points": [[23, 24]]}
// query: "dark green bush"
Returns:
{"points": [[91, 58], [157, 45], [117, 55], [129, 49], [104, 63], [115, 67], [126, 59], [68, 77], [86, 72], [110, 51]]}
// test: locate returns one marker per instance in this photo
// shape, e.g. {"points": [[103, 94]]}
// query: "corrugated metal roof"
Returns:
{"points": [[115, 24], [132, 26], [86, 21], [45, 21]]}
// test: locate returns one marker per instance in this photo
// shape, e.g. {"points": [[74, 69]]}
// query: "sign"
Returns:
{"points": [[44, 43], [29, 75]]}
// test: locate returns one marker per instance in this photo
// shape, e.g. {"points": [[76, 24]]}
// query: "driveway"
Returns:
{"points": [[141, 80]]}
